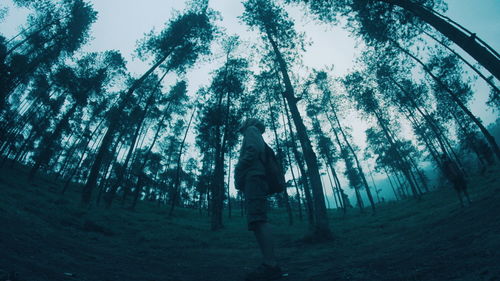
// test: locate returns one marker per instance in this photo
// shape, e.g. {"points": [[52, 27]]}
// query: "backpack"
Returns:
{"points": [[274, 173]]}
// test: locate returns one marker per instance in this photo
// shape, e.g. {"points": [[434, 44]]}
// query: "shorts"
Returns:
{"points": [[256, 190]]}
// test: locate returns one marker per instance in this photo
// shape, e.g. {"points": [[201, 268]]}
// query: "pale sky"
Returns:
{"points": [[122, 22]]}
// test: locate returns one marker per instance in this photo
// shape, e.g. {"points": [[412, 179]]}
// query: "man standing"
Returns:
{"points": [[249, 177], [456, 177]]}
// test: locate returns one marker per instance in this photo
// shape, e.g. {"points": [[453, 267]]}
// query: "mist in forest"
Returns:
{"points": [[249, 140]]}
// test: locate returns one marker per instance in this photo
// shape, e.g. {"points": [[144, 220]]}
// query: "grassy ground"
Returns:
{"points": [[45, 236]]}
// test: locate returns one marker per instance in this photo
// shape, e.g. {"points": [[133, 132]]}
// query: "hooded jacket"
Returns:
{"points": [[251, 153]]}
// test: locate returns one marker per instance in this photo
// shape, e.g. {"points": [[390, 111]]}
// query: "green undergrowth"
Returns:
{"points": [[48, 236]]}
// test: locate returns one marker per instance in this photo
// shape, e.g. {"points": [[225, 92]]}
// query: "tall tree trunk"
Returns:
{"points": [[402, 163], [155, 138], [302, 169], [141, 178], [484, 131], [17, 125], [321, 226], [107, 168], [425, 138], [242, 204], [326, 196], [340, 190], [22, 149], [439, 136], [32, 34], [91, 180], [228, 182], [401, 184], [281, 158], [77, 166], [351, 149], [96, 166], [47, 146], [472, 142], [218, 186], [121, 174], [294, 178], [332, 185], [67, 157], [467, 42], [392, 185], [426, 117], [496, 91], [370, 172], [359, 199], [179, 167], [52, 163]]}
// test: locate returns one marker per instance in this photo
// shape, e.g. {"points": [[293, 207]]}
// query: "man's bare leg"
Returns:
{"points": [[263, 234], [460, 198], [467, 196]]}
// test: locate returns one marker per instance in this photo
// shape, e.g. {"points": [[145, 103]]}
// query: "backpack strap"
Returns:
{"points": [[264, 157]]}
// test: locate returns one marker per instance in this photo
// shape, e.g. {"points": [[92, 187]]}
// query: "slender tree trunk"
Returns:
{"points": [[281, 159], [472, 142], [91, 181], [401, 185], [495, 89], [96, 166], [339, 189], [121, 174], [321, 227], [370, 172], [299, 199], [22, 149], [77, 166], [326, 196], [336, 190], [427, 118], [47, 144], [302, 169], [487, 135], [402, 163], [418, 128], [228, 182], [467, 42], [18, 125], [107, 169], [67, 157], [359, 199], [179, 167], [432, 125], [53, 163], [242, 205], [31, 35], [334, 193], [138, 189], [344, 136], [392, 185], [218, 186]]}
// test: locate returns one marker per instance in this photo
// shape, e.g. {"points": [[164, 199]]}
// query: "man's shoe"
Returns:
{"points": [[265, 273]]}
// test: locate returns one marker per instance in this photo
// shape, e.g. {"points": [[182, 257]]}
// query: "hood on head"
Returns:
{"points": [[252, 122]]}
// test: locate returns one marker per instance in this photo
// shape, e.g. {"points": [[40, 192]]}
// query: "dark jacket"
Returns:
{"points": [[251, 153], [452, 171]]}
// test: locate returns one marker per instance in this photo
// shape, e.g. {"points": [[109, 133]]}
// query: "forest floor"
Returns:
{"points": [[46, 236]]}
